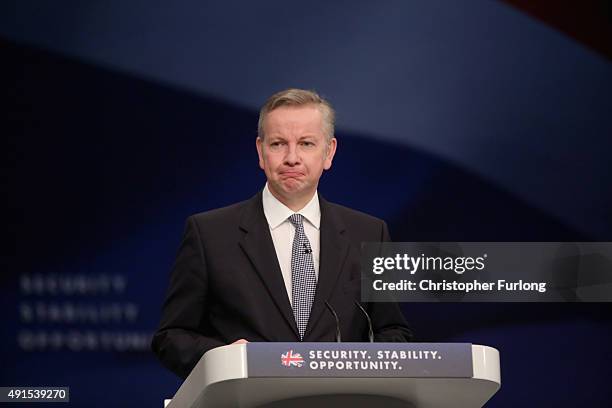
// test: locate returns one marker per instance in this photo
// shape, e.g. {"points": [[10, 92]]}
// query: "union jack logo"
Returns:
{"points": [[292, 359]]}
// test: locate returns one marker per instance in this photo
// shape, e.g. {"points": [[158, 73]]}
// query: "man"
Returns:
{"points": [[263, 269]]}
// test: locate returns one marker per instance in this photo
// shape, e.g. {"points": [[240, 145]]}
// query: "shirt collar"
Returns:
{"points": [[276, 212]]}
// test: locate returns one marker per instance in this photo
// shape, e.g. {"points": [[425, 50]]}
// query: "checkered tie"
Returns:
{"points": [[303, 278]]}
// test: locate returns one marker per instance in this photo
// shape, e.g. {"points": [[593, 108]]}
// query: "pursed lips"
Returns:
{"points": [[291, 173]]}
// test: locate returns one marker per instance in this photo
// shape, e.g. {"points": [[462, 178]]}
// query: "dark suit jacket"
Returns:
{"points": [[226, 284]]}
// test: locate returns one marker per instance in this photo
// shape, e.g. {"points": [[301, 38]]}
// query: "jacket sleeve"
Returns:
{"points": [[183, 335], [389, 324]]}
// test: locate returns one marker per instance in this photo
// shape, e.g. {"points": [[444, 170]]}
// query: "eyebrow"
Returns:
{"points": [[275, 138], [278, 137]]}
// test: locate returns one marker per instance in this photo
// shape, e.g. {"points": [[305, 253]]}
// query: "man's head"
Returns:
{"points": [[295, 144], [298, 97]]}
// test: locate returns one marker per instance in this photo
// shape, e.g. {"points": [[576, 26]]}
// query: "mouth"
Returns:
{"points": [[291, 174]]}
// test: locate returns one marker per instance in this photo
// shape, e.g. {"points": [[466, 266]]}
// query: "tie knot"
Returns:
{"points": [[296, 220]]}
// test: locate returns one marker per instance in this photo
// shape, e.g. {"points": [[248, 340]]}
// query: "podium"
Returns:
{"points": [[325, 375]]}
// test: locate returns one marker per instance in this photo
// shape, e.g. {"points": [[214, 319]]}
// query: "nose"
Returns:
{"points": [[292, 157]]}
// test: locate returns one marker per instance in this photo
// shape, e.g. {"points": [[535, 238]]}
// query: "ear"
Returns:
{"points": [[331, 151], [259, 146]]}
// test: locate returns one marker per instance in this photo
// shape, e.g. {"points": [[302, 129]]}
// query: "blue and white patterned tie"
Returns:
{"points": [[303, 278]]}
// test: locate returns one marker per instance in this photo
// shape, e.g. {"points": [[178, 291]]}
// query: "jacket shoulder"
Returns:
{"points": [[224, 215], [351, 216]]}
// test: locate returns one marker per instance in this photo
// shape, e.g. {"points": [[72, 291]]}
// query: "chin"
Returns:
{"points": [[291, 185], [296, 191], [291, 189]]}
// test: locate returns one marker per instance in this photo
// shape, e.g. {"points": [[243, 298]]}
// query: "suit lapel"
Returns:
{"points": [[333, 251], [258, 246]]}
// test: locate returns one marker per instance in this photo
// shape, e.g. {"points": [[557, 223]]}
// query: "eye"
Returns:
{"points": [[307, 143]]}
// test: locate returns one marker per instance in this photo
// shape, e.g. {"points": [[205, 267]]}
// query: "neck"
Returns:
{"points": [[294, 203]]}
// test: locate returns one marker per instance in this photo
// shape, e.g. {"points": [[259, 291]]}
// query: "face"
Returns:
{"points": [[294, 152]]}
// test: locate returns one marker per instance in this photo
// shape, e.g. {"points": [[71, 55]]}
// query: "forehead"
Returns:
{"points": [[292, 120]]}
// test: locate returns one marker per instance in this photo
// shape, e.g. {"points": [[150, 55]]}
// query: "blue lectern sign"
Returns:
{"points": [[360, 360]]}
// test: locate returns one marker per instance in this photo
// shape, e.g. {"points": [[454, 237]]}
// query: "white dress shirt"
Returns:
{"points": [[283, 231]]}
